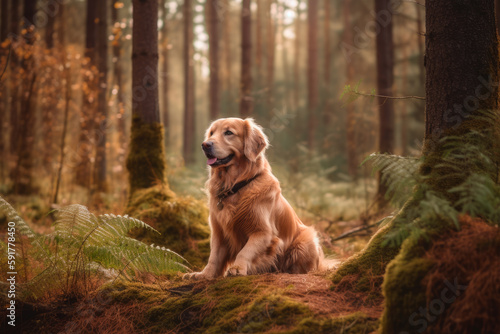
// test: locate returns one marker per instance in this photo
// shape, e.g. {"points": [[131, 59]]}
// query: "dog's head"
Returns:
{"points": [[230, 139]]}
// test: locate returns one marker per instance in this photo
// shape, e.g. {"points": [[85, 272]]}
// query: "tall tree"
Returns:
{"points": [[246, 99], [118, 77], [102, 106], [258, 42], [165, 46], [49, 28], [4, 32], [327, 55], [146, 159], [189, 95], [352, 157], [297, 47], [497, 15], [312, 71], [22, 174], [213, 35], [271, 52], [85, 140], [385, 80], [14, 78]]}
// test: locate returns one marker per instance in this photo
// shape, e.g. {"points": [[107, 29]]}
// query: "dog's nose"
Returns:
{"points": [[206, 145]]}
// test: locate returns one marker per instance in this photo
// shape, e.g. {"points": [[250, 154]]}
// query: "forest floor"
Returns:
{"points": [[271, 303]]}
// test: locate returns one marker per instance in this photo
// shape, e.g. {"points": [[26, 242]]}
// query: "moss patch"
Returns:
{"points": [[353, 323], [182, 222], [146, 158]]}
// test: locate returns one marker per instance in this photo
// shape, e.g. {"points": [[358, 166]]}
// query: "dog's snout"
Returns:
{"points": [[207, 145]]}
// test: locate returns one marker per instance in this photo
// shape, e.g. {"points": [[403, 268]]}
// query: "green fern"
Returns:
{"points": [[84, 245], [464, 158]]}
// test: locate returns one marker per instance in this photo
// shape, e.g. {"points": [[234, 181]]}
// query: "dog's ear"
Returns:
{"points": [[255, 140]]}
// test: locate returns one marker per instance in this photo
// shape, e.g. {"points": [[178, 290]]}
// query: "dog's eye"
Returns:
{"points": [[211, 133], [228, 133]]}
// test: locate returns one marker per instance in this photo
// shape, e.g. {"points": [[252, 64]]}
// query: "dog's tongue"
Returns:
{"points": [[211, 161]]}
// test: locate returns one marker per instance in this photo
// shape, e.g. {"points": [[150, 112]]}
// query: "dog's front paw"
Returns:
{"points": [[196, 276], [236, 270]]}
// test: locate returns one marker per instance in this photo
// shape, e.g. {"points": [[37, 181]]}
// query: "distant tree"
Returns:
{"points": [[258, 42], [327, 55], [297, 47], [146, 158], [271, 52], [50, 26], [246, 99], [312, 71], [118, 77], [385, 80], [497, 15], [165, 70], [85, 139], [4, 31], [213, 35], [22, 173], [351, 145], [15, 90], [102, 104], [189, 87]]}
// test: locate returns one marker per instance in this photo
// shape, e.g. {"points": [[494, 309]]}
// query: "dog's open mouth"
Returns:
{"points": [[213, 161]]}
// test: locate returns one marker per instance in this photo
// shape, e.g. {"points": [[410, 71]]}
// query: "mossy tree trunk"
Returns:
{"points": [[462, 81], [146, 159]]}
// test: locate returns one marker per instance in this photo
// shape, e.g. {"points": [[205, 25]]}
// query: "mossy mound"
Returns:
{"points": [[230, 305], [369, 264], [182, 222], [451, 285]]}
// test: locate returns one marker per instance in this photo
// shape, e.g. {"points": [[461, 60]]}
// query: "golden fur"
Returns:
{"points": [[257, 230]]}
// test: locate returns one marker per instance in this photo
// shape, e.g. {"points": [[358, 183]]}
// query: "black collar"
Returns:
{"points": [[225, 194]]}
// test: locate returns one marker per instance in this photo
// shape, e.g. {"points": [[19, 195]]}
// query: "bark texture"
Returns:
{"points": [[213, 34], [102, 106], [246, 99], [146, 159], [189, 93], [385, 81], [312, 71]]}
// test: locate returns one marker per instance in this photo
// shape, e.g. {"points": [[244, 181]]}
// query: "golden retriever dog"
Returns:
{"points": [[254, 229]]}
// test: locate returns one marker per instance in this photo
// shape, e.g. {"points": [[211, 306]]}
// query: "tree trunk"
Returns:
{"points": [[497, 15], [14, 79], [189, 93], [49, 28], [271, 51], [118, 79], [351, 146], [296, 59], [258, 43], [146, 159], [327, 67], [404, 106], [102, 106], [86, 137], [227, 46], [4, 32], [166, 74], [385, 80], [312, 71], [246, 99], [22, 174], [213, 34], [421, 45]]}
